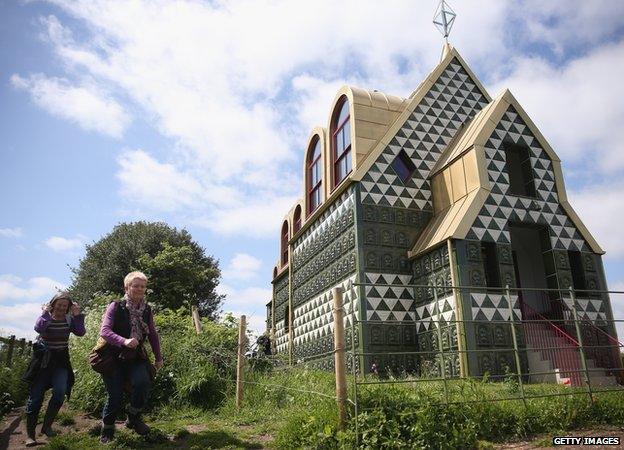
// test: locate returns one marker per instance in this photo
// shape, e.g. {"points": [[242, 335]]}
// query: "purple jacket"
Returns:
{"points": [[76, 324], [106, 331]]}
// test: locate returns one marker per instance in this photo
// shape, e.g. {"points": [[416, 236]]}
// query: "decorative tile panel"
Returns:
{"points": [[388, 303], [492, 222], [490, 306], [451, 101]]}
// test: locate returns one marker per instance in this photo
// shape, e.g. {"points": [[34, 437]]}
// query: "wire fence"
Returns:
{"points": [[459, 333], [9, 347]]}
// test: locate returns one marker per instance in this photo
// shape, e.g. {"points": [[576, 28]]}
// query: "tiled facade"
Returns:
{"points": [[362, 238]]}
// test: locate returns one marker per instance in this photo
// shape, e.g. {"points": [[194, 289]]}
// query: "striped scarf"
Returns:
{"points": [[139, 327]]}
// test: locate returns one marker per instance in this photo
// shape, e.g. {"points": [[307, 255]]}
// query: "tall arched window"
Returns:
{"points": [[315, 176], [284, 243], [341, 143], [297, 219]]}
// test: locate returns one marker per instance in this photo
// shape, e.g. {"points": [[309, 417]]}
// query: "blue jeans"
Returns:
{"points": [[53, 377], [135, 372]]}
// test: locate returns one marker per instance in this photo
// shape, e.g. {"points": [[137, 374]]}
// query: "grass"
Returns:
{"points": [[290, 410]]}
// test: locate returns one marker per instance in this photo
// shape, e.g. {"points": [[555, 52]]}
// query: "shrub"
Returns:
{"points": [[13, 391], [197, 366]]}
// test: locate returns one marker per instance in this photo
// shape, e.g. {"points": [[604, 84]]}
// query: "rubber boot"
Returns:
{"points": [[107, 434], [49, 417], [31, 423], [135, 422]]}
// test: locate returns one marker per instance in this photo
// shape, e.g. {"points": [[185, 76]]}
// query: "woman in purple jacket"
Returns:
{"points": [[50, 366], [126, 324]]}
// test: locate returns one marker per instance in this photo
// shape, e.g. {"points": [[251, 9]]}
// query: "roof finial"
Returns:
{"points": [[444, 19]]}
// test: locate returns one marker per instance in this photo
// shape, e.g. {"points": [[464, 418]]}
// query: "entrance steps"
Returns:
{"points": [[555, 358]]}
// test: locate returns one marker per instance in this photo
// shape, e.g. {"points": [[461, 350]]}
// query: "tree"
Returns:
{"points": [[177, 279], [179, 271]]}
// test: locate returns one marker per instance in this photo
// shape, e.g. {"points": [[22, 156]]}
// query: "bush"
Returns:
{"points": [[13, 391], [404, 416], [197, 366]]}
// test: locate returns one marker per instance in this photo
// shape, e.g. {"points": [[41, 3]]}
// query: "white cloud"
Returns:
{"points": [[11, 232], [221, 207], [159, 185], [566, 23], [15, 288], [260, 217], [237, 86], [85, 105], [577, 106], [601, 208], [248, 301], [227, 105], [242, 267], [61, 244], [19, 320]]}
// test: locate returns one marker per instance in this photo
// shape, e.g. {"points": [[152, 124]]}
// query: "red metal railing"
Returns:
{"points": [[602, 348], [552, 343]]}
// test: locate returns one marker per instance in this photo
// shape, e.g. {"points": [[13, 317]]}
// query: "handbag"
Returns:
{"points": [[103, 358]]}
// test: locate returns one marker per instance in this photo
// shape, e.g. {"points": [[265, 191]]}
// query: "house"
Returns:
{"points": [[442, 215]]}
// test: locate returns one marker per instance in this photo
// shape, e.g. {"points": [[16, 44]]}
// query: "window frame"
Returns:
{"points": [[284, 237], [347, 150], [316, 189], [297, 219]]}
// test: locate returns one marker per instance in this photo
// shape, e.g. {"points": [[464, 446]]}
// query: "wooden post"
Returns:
{"points": [[514, 337], [196, 321], [10, 350], [339, 356], [241, 361], [579, 336]]}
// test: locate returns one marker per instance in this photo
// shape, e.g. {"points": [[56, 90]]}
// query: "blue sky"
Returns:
{"points": [[196, 113]]}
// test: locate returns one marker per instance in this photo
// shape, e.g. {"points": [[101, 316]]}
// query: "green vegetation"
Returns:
{"points": [[197, 368], [192, 404], [179, 271], [13, 391]]}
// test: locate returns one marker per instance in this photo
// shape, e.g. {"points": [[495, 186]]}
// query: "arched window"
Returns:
{"points": [[341, 143], [315, 176], [297, 219], [285, 243]]}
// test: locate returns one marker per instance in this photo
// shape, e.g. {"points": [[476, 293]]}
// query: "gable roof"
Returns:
{"points": [[415, 98], [377, 118], [455, 220]]}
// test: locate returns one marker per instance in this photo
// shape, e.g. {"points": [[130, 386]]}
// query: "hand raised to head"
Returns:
{"points": [[75, 309]]}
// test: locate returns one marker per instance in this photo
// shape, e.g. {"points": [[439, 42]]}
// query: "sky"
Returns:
{"points": [[196, 113]]}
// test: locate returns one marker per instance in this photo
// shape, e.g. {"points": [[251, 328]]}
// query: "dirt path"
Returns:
{"points": [[13, 434], [13, 428]]}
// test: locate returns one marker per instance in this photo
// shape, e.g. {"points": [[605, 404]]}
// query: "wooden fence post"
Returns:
{"points": [[10, 350], [339, 356], [196, 321], [241, 361]]}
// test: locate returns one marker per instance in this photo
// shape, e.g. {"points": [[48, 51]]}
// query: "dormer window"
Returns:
{"points": [[341, 143], [403, 166], [284, 246], [520, 171], [315, 176]]}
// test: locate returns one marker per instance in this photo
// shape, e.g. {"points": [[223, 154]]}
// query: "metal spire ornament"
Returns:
{"points": [[444, 18]]}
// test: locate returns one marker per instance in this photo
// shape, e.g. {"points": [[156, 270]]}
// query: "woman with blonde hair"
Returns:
{"points": [[126, 324], [50, 366]]}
